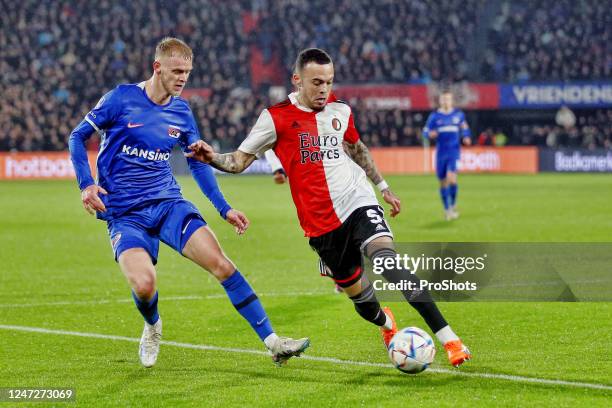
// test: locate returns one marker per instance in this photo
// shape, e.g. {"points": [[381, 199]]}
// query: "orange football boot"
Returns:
{"points": [[387, 334], [457, 352]]}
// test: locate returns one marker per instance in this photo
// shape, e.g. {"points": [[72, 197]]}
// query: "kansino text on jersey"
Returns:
{"points": [[154, 155], [445, 285]]}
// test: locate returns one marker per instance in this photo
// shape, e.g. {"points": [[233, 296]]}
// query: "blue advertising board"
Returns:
{"points": [[553, 95]]}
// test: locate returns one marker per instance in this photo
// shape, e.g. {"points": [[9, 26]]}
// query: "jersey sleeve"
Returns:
{"points": [[202, 173], [428, 125], [262, 137], [98, 119], [351, 135], [465, 128], [78, 153], [105, 112], [191, 133]]}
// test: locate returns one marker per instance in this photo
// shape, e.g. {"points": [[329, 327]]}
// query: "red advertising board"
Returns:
{"points": [[420, 97], [39, 165]]}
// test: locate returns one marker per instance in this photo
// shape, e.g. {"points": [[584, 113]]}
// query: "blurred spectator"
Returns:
{"points": [[565, 118], [485, 138], [500, 139]]}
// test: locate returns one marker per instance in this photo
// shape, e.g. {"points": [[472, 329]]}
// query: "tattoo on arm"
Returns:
{"points": [[361, 155], [235, 162]]}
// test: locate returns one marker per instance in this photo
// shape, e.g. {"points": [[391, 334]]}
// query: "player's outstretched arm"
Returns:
{"points": [[361, 155], [234, 162], [78, 154]]}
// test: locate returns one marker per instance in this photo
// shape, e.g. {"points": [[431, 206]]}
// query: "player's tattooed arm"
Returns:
{"points": [[235, 162], [361, 155]]}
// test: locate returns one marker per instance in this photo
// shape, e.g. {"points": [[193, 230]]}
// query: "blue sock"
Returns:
{"points": [[445, 197], [248, 305], [453, 193], [148, 310]]}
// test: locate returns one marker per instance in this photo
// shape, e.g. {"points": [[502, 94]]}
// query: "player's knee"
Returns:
{"points": [[222, 268], [144, 285], [381, 247]]}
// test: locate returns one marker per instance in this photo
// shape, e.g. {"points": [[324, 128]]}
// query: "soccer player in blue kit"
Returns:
{"points": [[448, 126], [141, 201]]}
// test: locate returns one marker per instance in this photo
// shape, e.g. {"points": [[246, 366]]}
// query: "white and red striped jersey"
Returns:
{"points": [[326, 184]]}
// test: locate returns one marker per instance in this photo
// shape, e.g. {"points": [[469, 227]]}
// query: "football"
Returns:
{"points": [[411, 350]]}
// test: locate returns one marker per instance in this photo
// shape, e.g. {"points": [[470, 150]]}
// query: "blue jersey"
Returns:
{"points": [[138, 137], [451, 127]]}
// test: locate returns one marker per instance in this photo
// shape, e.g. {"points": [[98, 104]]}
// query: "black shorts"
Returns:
{"points": [[340, 249]]}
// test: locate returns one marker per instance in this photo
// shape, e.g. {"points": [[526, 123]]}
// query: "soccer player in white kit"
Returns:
{"points": [[315, 139]]}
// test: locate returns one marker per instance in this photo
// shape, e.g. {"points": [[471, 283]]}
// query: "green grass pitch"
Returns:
{"points": [[57, 273]]}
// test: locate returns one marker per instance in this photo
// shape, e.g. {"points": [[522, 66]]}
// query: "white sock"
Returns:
{"points": [[270, 340], [388, 323], [446, 334]]}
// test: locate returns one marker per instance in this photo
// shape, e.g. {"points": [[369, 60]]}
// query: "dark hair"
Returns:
{"points": [[311, 55]]}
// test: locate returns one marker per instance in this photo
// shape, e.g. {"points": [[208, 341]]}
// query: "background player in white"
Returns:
{"points": [[278, 173], [336, 205], [142, 202]]}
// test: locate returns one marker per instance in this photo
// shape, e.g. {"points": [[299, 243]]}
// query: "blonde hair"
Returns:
{"points": [[170, 46]]}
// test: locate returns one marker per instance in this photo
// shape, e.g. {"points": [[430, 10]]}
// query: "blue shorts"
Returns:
{"points": [[171, 221], [446, 163]]}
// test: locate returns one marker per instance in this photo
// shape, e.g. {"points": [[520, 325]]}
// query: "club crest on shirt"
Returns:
{"points": [[336, 124], [174, 131]]}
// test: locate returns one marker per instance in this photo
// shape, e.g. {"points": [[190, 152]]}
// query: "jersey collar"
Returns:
{"points": [[294, 100], [141, 85]]}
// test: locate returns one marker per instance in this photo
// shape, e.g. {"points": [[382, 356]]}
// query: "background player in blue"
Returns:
{"points": [[141, 201], [448, 126]]}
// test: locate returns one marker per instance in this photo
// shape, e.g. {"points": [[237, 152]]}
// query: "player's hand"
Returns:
{"points": [[280, 177], [238, 220], [392, 199], [467, 141], [433, 134], [201, 151], [91, 200]]}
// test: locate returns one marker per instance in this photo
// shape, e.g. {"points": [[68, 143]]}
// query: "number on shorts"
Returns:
{"points": [[374, 215]]}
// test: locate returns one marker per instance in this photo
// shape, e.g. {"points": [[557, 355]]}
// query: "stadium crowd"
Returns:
{"points": [[381, 41], [58, 58], [550, 40], [589, 130]]}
